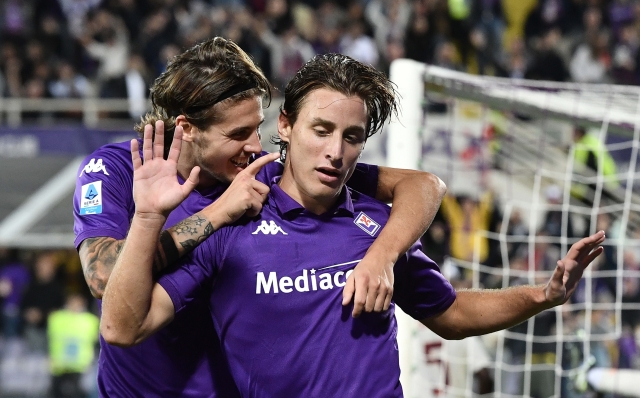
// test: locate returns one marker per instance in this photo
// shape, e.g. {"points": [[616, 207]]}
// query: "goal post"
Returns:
{"points": [[514, 137]]}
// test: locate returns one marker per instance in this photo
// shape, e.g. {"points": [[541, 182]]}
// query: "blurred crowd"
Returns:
{"points": [[116, 48], [48, 324]]}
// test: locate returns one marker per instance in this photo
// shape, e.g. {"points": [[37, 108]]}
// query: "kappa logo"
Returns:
{"points": [[93, 167], [366, 224], [269, 228]]}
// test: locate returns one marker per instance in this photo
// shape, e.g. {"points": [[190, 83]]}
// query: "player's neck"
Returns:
{"points": [[316, 204]]}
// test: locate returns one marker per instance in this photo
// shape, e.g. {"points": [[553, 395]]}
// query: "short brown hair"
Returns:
{"points": [[347, 76]]}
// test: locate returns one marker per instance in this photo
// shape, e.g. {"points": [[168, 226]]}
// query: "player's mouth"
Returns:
{"points": [[328, 174], [240, 163]]}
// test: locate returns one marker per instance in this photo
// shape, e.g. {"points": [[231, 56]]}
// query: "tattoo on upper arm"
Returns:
{"points": [[98, 257]]}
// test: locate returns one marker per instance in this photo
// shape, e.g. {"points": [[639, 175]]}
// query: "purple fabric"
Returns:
{"points": [[275, 288]]}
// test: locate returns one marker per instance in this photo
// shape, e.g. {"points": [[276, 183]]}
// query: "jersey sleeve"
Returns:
{"points": [[365, 179], [420, 288], [196, 273], [103, 198]]}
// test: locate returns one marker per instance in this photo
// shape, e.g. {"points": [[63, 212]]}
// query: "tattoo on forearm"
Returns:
{"points": [[190, 244], [98, 257], [190, 233]]}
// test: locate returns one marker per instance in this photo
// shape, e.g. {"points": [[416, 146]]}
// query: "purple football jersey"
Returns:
{"points": [[183, 359], [275, 287]]}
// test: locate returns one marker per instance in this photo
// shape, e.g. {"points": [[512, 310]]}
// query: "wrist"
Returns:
{"points": [[383, 255], [216, 215], [542, 297], [149, 220]]}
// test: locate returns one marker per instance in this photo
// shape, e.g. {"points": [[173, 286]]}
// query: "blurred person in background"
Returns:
{"points": [[356, 44], [160, 28], [72, 336], [553, 223], [467, 218], [44, 295], [288, 52], [107, 41], [591, 61], [487, 28], [625, 55], [420, 38], [14, 279], [389, 20], [75, 13], [590, 159], [547, 63], [136, 81], [219, 104], [460, 29], [68, 84]]}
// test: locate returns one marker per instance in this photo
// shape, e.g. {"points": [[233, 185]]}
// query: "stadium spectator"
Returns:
{"points": [[288, 52], [112, 52], [625, 54], [177, 360], [420, 39], [136, 81], [14, 279], [590, 159], [44, 295], [546, 63], [72, 334], [553, 224], [591, 60], [75, 12], [389, 20], [356, 44], [467, 217], [68, 83], [487, 24]]}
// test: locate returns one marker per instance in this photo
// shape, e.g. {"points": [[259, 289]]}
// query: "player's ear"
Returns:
{"points": [[188, 130], [284, 127]]}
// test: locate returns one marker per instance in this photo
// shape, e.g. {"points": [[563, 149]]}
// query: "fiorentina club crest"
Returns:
{"points": [[366, 224]]}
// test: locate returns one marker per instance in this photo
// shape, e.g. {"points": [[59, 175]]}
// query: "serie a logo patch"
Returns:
{"points": [[91, 198], [366, 223]]}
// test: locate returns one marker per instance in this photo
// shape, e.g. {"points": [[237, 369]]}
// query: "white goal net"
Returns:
{"points": [[524, 186]]}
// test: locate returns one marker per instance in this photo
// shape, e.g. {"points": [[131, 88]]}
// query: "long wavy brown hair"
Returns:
{"points": [[198, 79]]}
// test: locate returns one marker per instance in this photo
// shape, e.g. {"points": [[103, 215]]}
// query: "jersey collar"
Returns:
{"points": [[287, 206]]}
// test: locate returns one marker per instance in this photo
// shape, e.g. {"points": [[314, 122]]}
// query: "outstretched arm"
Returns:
{"points": [[416, 198], [481, 311]]}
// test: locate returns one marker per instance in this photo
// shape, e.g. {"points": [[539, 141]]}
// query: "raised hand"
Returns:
{"points": [[569, 270], [156, 189], [245, 195]]}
